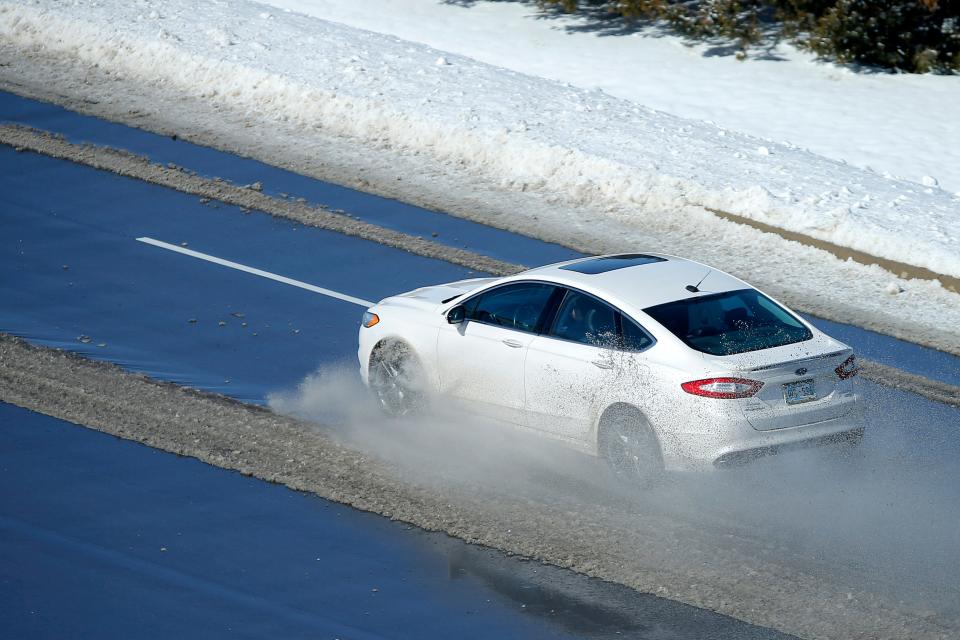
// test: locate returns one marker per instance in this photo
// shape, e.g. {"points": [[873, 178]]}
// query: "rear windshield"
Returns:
{"points": [[733, 322]]}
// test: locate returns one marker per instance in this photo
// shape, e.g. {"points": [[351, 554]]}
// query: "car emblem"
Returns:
{"points": [[800, 371]]}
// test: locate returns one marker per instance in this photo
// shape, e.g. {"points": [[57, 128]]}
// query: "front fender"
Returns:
{"points": [[402, 325]]}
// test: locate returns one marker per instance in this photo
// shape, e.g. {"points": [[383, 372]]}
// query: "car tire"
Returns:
{"points": [[630, 447], [396, 379]]}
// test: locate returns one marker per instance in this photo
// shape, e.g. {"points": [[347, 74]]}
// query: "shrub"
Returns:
{"points": [[913, 36], [910, 35]]}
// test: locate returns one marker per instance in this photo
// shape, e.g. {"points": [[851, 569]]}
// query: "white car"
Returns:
{"points": [[650, 361]]}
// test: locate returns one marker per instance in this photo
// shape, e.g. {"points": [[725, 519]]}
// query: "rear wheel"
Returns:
{"points": [[629, 447], [396, 379]]}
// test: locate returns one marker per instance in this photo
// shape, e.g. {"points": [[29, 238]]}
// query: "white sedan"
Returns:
{"points": [[650, 361]]}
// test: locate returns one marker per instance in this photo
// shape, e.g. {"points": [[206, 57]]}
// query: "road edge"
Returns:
{"points": [[649, 554]]}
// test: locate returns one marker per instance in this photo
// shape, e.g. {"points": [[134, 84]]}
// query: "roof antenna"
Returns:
{"points": [[695, 288]]}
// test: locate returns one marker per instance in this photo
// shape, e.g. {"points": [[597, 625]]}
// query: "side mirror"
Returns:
{"points": [[456, 315]]}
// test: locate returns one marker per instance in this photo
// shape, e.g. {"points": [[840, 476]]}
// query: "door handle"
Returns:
{"points": [[603, 364], [516, 344]]}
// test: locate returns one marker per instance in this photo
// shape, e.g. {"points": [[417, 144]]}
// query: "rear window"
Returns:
{"points": [[733, 322]]}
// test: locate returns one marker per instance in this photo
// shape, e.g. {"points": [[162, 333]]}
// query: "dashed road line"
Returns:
{"points": [[257, 272], [179, 179]]}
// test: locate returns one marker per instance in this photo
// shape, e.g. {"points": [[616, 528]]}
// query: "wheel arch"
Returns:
{"points": [[617, 406], [425, 363], [636, 457], [389, 341]]}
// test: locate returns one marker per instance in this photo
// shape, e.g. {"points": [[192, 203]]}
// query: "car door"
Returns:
{"points": [[583, 362], [481, 359]]}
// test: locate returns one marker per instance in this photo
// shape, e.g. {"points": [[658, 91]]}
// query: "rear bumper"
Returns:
{"points": [[734, 444], [745, 456]]}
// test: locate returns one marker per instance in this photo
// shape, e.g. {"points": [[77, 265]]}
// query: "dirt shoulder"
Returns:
{"points": [[653, 553]]}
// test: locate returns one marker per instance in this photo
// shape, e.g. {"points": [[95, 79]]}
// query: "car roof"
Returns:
{"points": [[641, 280]]}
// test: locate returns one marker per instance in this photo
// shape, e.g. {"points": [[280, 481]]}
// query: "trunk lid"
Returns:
{"points": [[800, 386]]}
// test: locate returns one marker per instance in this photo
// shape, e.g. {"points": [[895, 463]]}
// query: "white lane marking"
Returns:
{"points": [[257, 272]]}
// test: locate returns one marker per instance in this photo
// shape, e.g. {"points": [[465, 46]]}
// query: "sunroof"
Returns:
{"points": [[612, 263]]}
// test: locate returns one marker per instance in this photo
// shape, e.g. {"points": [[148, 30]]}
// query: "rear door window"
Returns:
{"points": [[585, 319], [514, 306]]}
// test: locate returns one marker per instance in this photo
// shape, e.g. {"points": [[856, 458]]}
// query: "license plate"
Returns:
{"points": [[800, 391]]}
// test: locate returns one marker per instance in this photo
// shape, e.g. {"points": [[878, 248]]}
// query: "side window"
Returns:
{"points": [[634, 338], [582, 318], [514, 306]]}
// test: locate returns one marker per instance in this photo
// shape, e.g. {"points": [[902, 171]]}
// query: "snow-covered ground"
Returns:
{"points": [[590, 169], [902, 125], [524, 131]]}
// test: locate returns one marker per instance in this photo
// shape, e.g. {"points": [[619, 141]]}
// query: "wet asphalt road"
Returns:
{"points": [[107, 538]]}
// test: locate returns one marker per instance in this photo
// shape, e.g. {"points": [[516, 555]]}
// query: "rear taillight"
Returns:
{"points": [[726, 388], [848, 368]]}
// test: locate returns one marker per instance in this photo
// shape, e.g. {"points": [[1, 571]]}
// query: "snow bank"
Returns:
{"points": [[525, 132], [905, 125]]}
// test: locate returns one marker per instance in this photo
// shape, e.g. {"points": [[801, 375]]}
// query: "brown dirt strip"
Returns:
{"points": [[898, 379], [248, 196], [748, 578], [904, 270]]}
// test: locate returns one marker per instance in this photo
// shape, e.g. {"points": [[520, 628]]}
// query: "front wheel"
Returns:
{"points": [[630, 448], [396, 379]]}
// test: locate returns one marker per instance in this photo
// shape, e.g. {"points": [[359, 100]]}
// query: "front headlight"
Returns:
{"points": [[370, 319]]}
